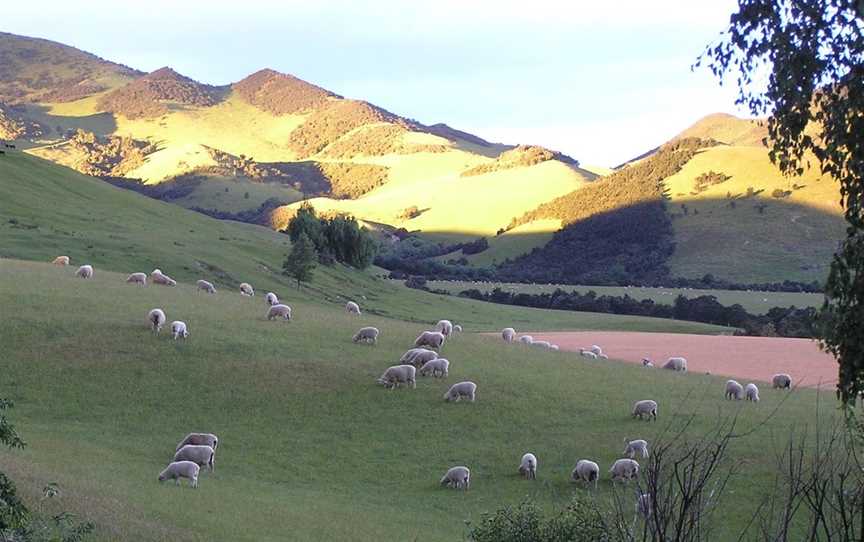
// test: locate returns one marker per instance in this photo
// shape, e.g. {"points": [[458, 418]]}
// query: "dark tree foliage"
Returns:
{"points": [[302, 259], [339, 238], [813, 53], [580, 521], [306, 221], [13, 512]]}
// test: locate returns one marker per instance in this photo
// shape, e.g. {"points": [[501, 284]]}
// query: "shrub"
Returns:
{"points": [[580, 521]]}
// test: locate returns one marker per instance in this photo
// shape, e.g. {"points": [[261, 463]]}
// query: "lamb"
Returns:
{"points": [[528, 466], [246, 289], [588, 354], [751, 392], [457, 478], [432, 339], [647, 363], [436, 367], [676, 364], [61, 260], [201, 439], [178, 329], [137, 278], [646, 406], [526, 339], [418, 357], [367, 335], [279, 311], [181, 469], [352, 308], [445, 327], [200, 454], [85, 272], [542, 344], [781, 381], [205, 285], [733, 390], [156, 318], [508, 334], [624, 469], [586, 471], [398, 374], [634, 447], [459, 390], [457, 328], [271, 299]]}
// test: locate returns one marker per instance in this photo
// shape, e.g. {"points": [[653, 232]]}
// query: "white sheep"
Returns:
{"points": [[528, 466], [246, 289], [85, 272], [751, 392], [61, 260], [279, 311], [457, 328], [157, 277], [179, 329], [587, 354], [200, 454], [647, 363], [205, 439], [542, 344], [181, 469], [526, 339], [352, 308], [445, 327], [634, 447], [734, 390], [206, 286], [436, 367], [554, 347], [508, 334], [596, 349], [432, 339], [137, 278], [459, 390], [781, 381], [271, 299], [676, 364], [457, 478], [366, 335], [646, 406], [624, 469], [399, 374], [419, 357], [602, 356], [586, 471], [156, 319]]}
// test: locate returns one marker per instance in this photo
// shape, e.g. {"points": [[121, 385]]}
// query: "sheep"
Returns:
{"points": [[646, 406], [586, 471], [156, 319], [445, 327], [181, 469], [633, 447], [85, 272], [554, 347], [457, 328], [676, 364], [157, 277], [418, 357], [526, 339], [432, 339], [137, 278], [61, 260], [201, 454], [279, 311], [459, 390], [528, 466], [179, 329], [781, 381], [508, 334], [271, 299], [207, 439], [206, 286], [399, 374], [457, 478], [596, 349], [733, 390], [624, 469], [751, 392], [246, 289], [367, 335], [352, 308], [602, 356], [542, 344], [588, 354], [436, 367]]}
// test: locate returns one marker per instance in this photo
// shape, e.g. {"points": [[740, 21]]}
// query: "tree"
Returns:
{"points": [[812, 52], [307, 221], [302, 259]]}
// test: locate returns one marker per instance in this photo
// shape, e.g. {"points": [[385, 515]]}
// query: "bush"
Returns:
{"points": [[580, 521]]}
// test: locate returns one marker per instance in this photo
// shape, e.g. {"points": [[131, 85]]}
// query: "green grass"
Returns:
{"points": [[229, 194]]}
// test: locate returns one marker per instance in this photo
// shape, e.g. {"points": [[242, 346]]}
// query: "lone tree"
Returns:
{"points": [[302, 259], [802, 63]]}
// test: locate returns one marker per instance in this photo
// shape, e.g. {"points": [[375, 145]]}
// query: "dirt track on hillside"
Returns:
{"points": [[745, 358]]}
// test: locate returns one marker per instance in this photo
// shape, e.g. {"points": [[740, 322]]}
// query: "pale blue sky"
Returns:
{"points": [[601, 81]]}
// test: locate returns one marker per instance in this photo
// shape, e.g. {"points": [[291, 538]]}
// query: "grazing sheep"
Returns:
{"points": [[418, 357], [199, 439], [588, 354], [156, 319], [734, 390], [586, 471], [633, 447], [436, 367], [445, 327], [751, 392], [624, 469], [279, 311], [508, 334], [542, 344], [137, 278], [157, 277], [399, 374], [676, 364], [352, 308], [178, 329], [596, 349], [61, 260], [781, 381], [246, 289], [647, 363], [457, 478], [528, 466], [459, 390], [205, 285], [181, 469], [457, 328], [646, 406], [271, 299], [85, 272], [367, 335], [201, 454], [432, 339], [526, 339]]}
